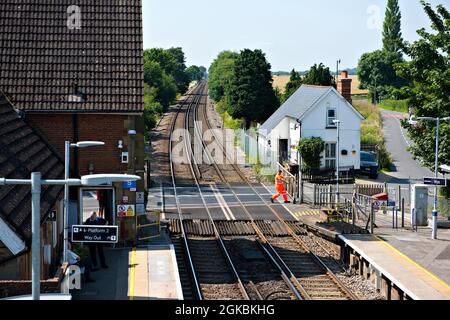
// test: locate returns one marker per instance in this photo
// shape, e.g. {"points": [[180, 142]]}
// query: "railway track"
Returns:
{"points": [[305, 270], [281, 280], [251, 259], [213, 275]]}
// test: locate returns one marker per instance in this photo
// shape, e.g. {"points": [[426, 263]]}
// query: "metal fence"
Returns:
{"points": [[324, 195], [328, 176], [291, 182]]}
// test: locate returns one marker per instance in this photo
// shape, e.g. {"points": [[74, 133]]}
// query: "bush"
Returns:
{"points": [[310, 149], [83, 252], [228, 121], [153, 109]]}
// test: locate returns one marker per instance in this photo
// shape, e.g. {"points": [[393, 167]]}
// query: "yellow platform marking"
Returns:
{"points": [[132, 274], [307, 213], [440, 281]]}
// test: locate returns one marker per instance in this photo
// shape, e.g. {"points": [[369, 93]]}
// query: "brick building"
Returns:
{"points": [[74, 68]]}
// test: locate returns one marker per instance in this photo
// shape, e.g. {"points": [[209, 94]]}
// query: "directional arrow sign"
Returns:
{"points": [[435, 181], [95, 234]]}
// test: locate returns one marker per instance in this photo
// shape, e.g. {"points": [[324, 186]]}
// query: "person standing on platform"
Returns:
{"points": [[94, 220], [101, 198], [281, 190]]}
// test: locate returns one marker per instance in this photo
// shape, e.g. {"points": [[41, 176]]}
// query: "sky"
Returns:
{"points": [[292, 33]]}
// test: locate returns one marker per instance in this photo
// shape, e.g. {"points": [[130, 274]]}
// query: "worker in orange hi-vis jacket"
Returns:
{"points": [[281, 190]]}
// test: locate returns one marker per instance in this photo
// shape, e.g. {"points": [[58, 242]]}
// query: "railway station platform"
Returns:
{"points": [[153, 274], [395, 264]]}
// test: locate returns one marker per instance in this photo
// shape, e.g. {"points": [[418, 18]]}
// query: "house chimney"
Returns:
{"points": [[344, 86]]}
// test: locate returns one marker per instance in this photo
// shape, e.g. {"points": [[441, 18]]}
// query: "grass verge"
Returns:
{"points": [[395, 105], [372, 132]]}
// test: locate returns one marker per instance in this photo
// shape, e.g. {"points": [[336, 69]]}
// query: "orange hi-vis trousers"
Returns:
{"points": [[280, 189]]}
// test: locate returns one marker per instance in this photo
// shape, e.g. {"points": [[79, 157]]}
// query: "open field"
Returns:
{"points": [[281, 81]]}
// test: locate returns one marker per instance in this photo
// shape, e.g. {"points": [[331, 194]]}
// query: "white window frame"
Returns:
{"points": [[329, 158], [114, 205], [330, 123]]}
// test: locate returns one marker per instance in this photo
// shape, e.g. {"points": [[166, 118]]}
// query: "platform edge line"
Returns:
{"points": [[442, 282], [132, 273]]}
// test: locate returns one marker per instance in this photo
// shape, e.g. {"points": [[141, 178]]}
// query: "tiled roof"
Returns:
{"points": [[46, 66], [23, 151], [296, 106]]}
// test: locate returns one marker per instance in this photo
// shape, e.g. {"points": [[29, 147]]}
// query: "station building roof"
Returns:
{"points": [[23, 151], [57, 57]]}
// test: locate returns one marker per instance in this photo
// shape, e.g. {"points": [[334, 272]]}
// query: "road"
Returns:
{"points": [[397, 143]]}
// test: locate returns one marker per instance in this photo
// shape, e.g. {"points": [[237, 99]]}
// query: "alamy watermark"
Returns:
{"points": [[224, 147], [374, 21], [73, 17], [72, 279]]}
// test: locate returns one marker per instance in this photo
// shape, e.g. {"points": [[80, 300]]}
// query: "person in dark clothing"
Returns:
{"points": [[94, 220]]}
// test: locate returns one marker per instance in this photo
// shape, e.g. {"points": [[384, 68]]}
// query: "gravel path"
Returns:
{"points": [[217, 122]]}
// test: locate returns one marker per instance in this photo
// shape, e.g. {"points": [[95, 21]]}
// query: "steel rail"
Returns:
{"points": [[192, 163], [259, 233], [289, 230], [198, 291]]}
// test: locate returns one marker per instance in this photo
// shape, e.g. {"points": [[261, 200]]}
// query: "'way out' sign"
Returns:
{"points": [[95, 234]]}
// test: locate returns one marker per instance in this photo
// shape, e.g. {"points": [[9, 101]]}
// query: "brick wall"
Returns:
{"points": [[58, 128], [11, 288]]}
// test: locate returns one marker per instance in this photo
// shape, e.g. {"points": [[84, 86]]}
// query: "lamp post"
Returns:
{"points": [[36, 183], [337, 70], [413, 121], [68, 145], [300, 162], [338, 124]]}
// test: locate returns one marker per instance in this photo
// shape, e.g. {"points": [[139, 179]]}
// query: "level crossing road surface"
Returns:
{"points": [[221, 201]]}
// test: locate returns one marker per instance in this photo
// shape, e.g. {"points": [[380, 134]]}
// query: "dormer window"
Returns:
{"points": [[331, 116]]}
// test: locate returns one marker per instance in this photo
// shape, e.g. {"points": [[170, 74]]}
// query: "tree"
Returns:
{"points": [[204, 72], [194, 73], [294, 83], [428, 73], [178, 72], [221, 74], [172, 61], [163, 84], [392, 35], [251, 95], [376, 73], [320, 76]]}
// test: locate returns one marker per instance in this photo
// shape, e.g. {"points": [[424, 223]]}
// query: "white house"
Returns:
{"points": [[310, 112]]}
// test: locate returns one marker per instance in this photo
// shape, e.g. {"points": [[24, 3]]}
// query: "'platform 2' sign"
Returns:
{"points": [[95, 234]]}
